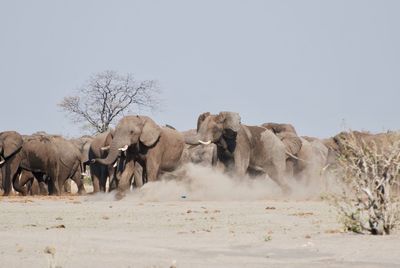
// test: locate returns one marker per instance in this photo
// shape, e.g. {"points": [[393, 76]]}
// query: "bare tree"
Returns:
{"points": [[107, 96]]}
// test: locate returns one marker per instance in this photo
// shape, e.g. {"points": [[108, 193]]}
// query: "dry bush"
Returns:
{"points": [[369, 172]]}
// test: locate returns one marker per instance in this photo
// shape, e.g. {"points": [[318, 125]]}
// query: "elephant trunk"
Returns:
{"points": [[115, 148], [196, 140], [192, 140]]}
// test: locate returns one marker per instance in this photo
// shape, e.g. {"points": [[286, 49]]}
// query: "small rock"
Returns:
{"points": [[50, 250], [20, 249], [60, 226], [267, 238], [59, 219]]}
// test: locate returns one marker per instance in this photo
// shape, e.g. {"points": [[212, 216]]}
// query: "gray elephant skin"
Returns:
{"points": [[205, 155], [139, 142], [243, 149], [54, 156], [306, 156], [99, 148]]}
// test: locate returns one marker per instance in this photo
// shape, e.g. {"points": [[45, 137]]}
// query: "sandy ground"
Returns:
{"points": [[204, 220], [96, 231]]}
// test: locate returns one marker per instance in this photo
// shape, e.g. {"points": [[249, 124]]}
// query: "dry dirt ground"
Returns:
{"points": [[97, 231], [204, 220]]}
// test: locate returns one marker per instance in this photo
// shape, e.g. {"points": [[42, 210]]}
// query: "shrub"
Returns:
{"points": [[368, 169]]}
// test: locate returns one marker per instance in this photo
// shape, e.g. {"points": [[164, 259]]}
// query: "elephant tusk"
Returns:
{"points": [[115, 164], [123, 149], [204, 142], [2, 162], [105, 148]]}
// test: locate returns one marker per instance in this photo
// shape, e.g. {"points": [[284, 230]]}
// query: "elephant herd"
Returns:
{"points": [[139, 151]]}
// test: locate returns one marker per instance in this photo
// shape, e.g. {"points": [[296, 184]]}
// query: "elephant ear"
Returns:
{"points": [[292, 143], [150, 133], [201, 118], [230, 120], [12, 142]]}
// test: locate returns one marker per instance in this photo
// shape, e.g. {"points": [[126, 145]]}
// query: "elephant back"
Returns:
{"points": [[42, 148]]}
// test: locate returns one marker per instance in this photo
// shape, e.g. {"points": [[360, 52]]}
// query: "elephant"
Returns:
{"points": [[337, 145], [83, 145], [70, 158], [312, 160], [293, 143], [242, 149], [54, 156], [199, 154], [33, 186], [306, 156], [99, 148], [141, 144]]}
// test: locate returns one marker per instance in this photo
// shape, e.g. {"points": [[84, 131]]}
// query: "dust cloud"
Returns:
{"points": [[199, 183]]}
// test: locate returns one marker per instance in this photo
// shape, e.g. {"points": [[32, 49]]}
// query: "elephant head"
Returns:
{"points": [[130, 131], [288, 135], [10, 143], [210, 128]]}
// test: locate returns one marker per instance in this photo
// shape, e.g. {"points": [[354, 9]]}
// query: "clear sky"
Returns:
{"points": [[315, 64]]}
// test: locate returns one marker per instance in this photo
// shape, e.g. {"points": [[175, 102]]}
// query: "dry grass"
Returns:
{"points": [[369, 172]]}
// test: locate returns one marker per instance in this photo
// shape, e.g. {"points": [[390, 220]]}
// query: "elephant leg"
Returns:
{"points": [[67, 186], [276, 173], [126, 176], [60, 184], [241, 160], [55, 181], [152, 170], [34, 187], [54, 187], [138, 175], [103, 179], [43, 189], [95, 174], [113, 183], [241, 165], [77, 178], [51, 186], [8, 172], [24, 179], [19, 187]]}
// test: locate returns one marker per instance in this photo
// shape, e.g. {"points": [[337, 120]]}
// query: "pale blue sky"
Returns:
{"points": [[311, 63]]}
